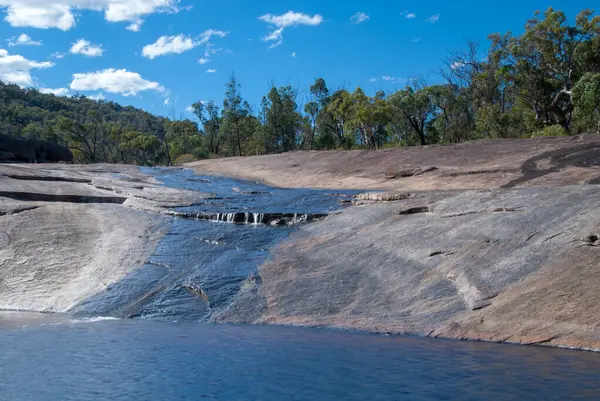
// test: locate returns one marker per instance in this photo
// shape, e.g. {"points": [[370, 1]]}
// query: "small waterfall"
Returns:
{"points": [[271, 219], [258, 218]]}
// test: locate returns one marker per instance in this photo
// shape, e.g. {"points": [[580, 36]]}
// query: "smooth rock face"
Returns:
{"points": [[500, 242], [68, 232], [438, 272]]}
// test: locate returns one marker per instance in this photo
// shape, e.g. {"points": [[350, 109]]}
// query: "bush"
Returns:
{"points": [[553, 130], [185, 158]]}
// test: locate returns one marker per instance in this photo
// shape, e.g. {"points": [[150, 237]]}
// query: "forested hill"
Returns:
{"points": [[543, 82], [97, 131]]}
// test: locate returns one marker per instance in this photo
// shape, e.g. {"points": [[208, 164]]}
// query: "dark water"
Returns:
{"points": [[148, 360]]}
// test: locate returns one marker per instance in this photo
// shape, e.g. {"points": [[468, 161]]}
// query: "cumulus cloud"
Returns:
{"points": [[433, 19], [289, 19], [359, 17], [293, 55], [179, 43], [408, 15], [84, 47], [16, 69], [23, 40], [211, 71], [203, 60], [56, 92], [111, 80], [61, 13]]}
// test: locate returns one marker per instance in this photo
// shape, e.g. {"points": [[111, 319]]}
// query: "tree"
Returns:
{"points": [[208, 114], [183, 137], [586, 99], [283, 121], [547, 60], [416, 106], [235, 110]]}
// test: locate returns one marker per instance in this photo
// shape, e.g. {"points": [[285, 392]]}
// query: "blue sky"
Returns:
{"points": [[162, 55]]}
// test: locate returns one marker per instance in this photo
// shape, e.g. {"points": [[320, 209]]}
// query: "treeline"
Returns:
{"points": [[543, 82]]}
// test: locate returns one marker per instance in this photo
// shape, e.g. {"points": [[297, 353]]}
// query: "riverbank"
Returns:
{"points": [[494, 241]]}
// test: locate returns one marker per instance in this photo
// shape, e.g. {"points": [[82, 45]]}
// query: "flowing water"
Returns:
{"points": [[148, 337], [211, 249]]}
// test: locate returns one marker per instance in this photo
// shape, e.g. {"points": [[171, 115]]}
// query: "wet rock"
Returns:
{"points": [[383, 196], [271, 219]]}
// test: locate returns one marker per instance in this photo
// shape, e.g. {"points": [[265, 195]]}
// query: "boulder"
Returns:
{"points": [[32, 150], [20, 147], [47, 151], [7, 156]]}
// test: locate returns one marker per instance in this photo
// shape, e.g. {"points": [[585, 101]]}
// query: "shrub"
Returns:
{"points": [[553, 130], [185, 158]]}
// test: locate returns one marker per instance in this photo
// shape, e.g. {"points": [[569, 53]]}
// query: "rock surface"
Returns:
{"points": [[538, 162], [68, 232], [499, 243]]}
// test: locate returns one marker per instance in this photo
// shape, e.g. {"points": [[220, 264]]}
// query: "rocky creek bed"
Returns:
{"points": [[514, 260]]}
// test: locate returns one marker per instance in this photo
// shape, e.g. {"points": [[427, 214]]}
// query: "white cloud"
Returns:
{"points": [[415, 40], [203, 60], [84, 47], [16, 69], [211, 71], [373, 79], [23, 40], [61, 13], [281, 22], [168, 44], [111, 80], [167, 101], [433, 19], [456, 65], [410, 16], [134, 26], [388, 78], [178, 44], [189, 109], [293, 55], [56, 92], [97, 96], [359, 17], [57, 55]]}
